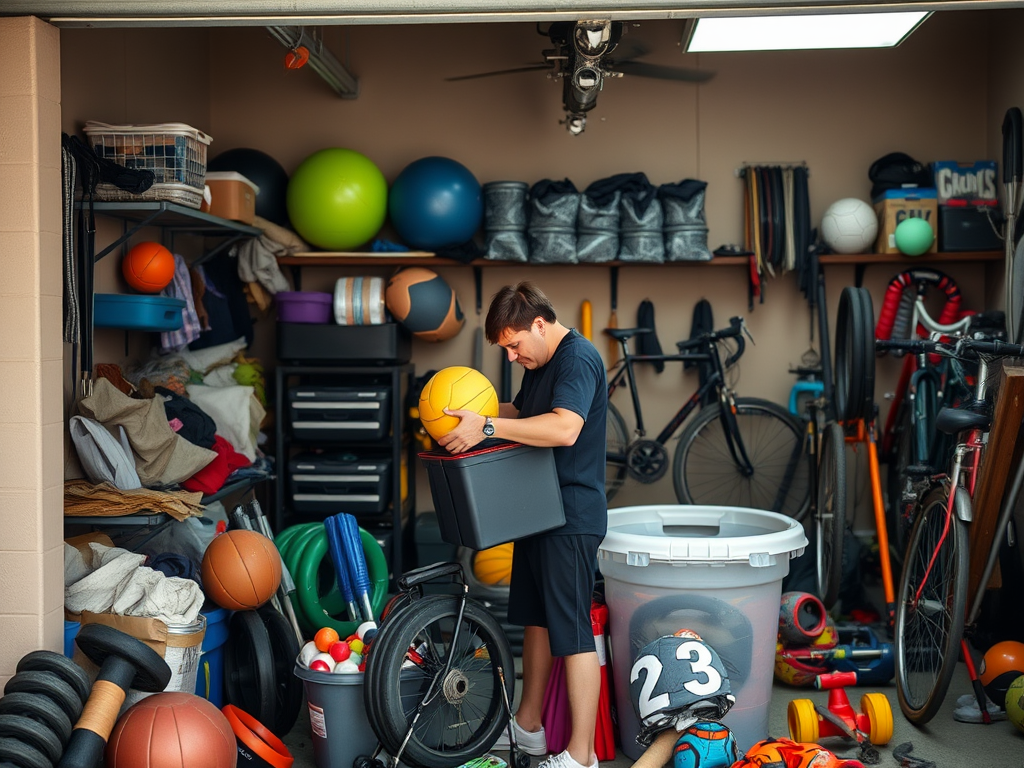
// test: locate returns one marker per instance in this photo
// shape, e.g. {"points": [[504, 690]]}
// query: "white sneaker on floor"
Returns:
{"points": [[530, 742], [564, 760], [967, 710]]}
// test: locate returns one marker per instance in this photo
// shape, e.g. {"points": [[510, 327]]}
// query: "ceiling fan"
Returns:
{"points": [[582, 58]]}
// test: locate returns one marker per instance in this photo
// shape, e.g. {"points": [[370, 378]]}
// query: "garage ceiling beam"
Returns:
{"points": [[233, 13], [321, 60]]}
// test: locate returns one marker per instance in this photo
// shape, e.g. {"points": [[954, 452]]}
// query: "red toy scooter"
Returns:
{"points": [[809, 722]]}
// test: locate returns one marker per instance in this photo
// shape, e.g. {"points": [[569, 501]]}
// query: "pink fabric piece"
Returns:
{"points": [[555, 716], [176, 424]]}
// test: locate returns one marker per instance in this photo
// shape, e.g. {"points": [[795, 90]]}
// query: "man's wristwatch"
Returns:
{"points": [[488, 427]]}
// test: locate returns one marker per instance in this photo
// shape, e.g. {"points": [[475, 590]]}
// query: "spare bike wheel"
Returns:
{"points": [[287, 687], [466, 711]]}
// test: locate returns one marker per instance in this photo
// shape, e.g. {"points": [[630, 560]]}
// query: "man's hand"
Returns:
{"points": [[467, 434]]}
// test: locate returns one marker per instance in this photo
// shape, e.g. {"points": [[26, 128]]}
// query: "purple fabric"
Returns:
{"points": [[555, 717], [181, 288]]}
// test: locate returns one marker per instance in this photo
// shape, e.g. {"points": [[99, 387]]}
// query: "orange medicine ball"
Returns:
{"points": [[172, 730], [241, 570]]}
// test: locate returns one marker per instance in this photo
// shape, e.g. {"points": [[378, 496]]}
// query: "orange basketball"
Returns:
{"points": [[241, 570], [172, 730], [148, 267], [494, 565]]}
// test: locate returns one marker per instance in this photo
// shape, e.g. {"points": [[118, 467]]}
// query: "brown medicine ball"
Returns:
{"points": [[241, 570], [172, 730], [423, 302]]}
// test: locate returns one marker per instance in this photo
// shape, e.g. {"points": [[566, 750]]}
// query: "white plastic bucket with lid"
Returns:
{"points": [[715, 570], [184, 647]]}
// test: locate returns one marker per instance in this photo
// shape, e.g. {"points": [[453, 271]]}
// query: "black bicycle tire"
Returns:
{"points": [[734, 485], [920, 703], [615, 434], [830, 511], [867, 355], [902, 457], [383, 679], [249, 667], [287, 687], [849, 368]]}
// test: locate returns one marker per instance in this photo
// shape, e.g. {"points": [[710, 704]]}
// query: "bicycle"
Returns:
{"points": [[931, 612], [439, 679], [740, 451]]}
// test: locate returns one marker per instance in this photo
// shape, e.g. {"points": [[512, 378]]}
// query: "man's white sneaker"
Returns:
{"points": [[530, 742], [564, 760]]}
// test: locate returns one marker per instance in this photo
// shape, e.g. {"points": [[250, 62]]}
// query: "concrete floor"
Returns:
{"points": [[945, 742]]}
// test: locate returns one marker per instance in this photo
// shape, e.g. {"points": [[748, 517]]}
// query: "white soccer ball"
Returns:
{"points": [[849, 226]]}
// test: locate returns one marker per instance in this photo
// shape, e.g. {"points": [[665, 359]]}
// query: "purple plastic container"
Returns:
{"points": [[304, 307]]}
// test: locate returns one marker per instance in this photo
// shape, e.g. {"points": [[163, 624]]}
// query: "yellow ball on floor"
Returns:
{"points": [[494, 566], [455, 388]]}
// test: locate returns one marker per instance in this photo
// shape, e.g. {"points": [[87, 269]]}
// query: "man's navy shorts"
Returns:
{"points": [[552, 586]]}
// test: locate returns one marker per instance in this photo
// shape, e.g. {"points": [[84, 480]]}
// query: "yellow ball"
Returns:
{"points": [[1015, 702], [456, 388], [494, 565]]}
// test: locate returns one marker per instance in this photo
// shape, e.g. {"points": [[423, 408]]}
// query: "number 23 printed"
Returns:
{"points": [[699, 658]]}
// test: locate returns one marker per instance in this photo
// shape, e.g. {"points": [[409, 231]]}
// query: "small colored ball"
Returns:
{"points": [[914, 236], [356, 646], [340, 650], [325, 638], [308, 652], [362, 628]]}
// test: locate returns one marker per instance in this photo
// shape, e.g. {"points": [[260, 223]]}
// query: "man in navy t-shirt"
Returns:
{"points": [[562, 405]]}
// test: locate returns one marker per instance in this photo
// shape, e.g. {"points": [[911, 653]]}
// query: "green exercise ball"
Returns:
{"points": [[914, 236], [337, 199]]}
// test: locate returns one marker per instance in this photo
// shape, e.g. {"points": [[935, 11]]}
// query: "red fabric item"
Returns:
{"points": [[210, 478]]}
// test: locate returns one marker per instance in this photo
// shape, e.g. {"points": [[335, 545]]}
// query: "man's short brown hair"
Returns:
{"points": [[514, 308]]}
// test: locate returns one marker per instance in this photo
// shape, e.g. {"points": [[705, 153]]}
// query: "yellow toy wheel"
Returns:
{"points": [[803, 721], [876, 706]]}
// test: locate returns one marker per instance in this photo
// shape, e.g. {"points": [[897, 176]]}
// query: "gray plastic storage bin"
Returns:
{"points": [[715, 570], [340, 414], [482, 501]]}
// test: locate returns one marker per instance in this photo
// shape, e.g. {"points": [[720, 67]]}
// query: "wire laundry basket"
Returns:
{"points": [[174, 152]]}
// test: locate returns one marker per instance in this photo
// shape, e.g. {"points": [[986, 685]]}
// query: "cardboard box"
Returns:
{"points": [[232, 196], [970, 183], [895, 205]]}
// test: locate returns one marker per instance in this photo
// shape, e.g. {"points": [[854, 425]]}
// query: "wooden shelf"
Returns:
{"points": [[425, 259]]}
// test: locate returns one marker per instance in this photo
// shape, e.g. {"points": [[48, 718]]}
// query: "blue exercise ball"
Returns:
{"points": [[435, 203], [263, 171]]}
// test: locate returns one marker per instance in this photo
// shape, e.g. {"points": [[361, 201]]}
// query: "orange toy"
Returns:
{"points": [[241, 570], [325, 638], [494, 565], [172, 730], [148, 267]]}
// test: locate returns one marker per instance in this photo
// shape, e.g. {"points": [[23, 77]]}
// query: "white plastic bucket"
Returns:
{"points": [[715, 570], [184, 647]]}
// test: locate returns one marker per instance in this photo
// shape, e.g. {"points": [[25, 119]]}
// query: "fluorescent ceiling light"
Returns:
{"points": [[781, 33]]}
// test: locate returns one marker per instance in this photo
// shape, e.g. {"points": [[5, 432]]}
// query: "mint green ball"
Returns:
{"points": [[914, 236], [337, 199]]}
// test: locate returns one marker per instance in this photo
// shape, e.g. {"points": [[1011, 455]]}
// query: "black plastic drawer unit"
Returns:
{"points": [[331, 483], [340, 414]]}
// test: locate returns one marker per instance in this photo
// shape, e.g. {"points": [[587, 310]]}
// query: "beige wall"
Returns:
{"points": [[31, 497], [838, 111]]}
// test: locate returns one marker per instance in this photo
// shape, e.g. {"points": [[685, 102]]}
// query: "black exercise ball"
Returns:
{"points": [[263, 171]]}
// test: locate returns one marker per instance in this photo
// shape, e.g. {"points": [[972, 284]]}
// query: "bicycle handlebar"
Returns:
{"points": [[919, 346], [735, 330]]}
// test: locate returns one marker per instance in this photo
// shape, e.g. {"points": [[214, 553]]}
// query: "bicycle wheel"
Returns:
{"points": [[931, 605], [617, 441], [466, 711], [897, 482], [830, 513], [855, 356], [704, 471]]}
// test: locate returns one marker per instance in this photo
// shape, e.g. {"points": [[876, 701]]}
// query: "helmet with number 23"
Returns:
{"points": [[674, 675]]}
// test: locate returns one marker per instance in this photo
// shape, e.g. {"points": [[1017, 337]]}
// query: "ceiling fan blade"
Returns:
{"points": [[642, 69], [514, 70]]}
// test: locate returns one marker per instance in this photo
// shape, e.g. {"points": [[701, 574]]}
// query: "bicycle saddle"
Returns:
{"points": [[951, 421], [625, 334]]}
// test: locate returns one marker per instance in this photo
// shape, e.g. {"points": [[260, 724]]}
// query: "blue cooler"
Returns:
{"points": [[210, 677], [70, 633]]}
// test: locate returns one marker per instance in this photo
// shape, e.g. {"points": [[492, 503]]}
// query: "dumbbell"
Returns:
{"points": [[42, 700], [124, 663]]}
